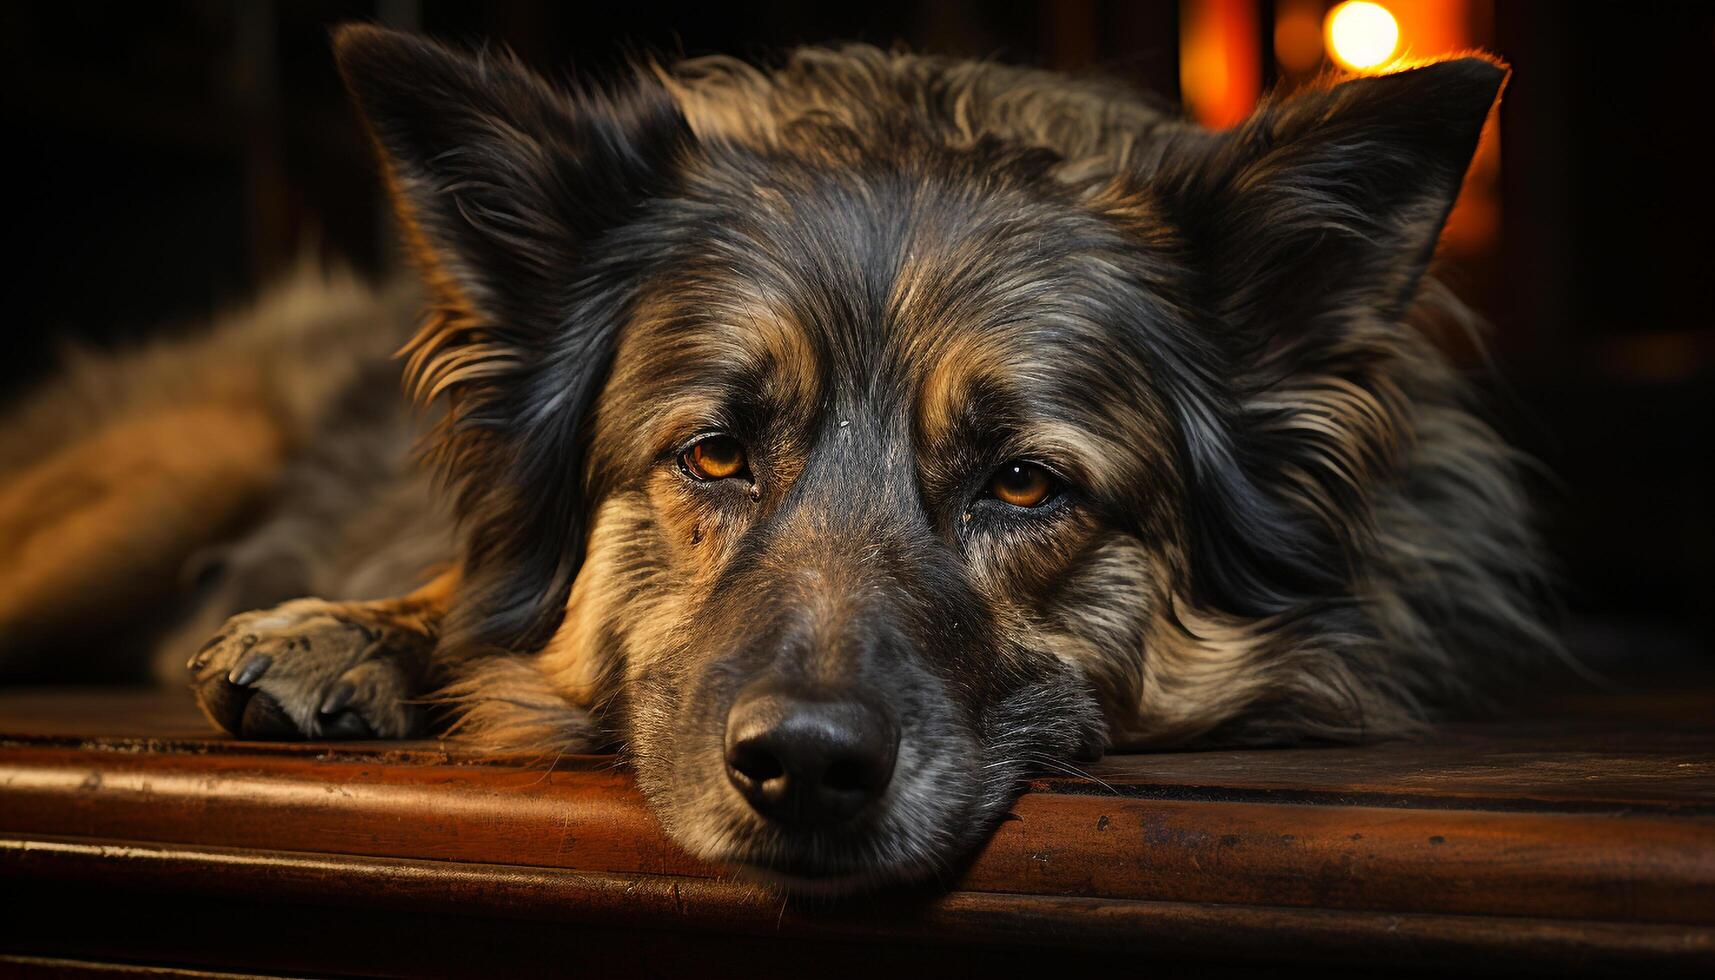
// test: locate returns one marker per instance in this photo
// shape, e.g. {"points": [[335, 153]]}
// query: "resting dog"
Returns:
{"points": [[842, 442]]}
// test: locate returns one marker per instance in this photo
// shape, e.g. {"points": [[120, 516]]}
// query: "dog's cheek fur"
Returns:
{"points": [[564, 698], [627, 624]]}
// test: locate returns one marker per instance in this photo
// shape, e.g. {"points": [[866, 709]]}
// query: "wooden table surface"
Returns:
{"points": [[1579, 837]]}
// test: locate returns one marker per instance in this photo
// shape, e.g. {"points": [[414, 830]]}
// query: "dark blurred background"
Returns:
{"points": [[171, 157]]}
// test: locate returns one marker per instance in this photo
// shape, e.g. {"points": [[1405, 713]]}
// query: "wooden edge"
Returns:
{"points": [[1243, 932], [1575, 866], [1123, 775]]}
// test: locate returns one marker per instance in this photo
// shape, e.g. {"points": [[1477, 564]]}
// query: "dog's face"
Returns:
{"points": [[850, 476], [877, 464]]}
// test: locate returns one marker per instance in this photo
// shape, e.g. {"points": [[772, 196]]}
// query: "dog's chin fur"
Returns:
{"points": [[863, 856]]}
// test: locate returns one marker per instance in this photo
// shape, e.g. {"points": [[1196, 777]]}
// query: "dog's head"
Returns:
{"points": [[857, 461]]}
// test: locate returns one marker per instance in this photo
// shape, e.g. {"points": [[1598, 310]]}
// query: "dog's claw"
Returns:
{"points": [[251, 670], [311, 668], [199, 658]]}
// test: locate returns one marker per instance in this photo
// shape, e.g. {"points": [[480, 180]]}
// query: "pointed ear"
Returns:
{"points": [[1306, 231], [1331, 201], [504, 187], [498, 178]]}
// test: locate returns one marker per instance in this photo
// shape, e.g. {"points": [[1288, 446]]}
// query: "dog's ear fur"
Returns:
{"points": [[498, 177], [1308, 229], [1330, 198], [504, 185]]}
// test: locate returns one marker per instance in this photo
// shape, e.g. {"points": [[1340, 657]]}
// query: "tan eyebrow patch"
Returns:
{"points": [[1107, 442], [780, 349], [686, 352], [950, 371]]}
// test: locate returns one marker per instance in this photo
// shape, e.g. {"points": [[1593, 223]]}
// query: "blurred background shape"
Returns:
{"points": [[1362, 36], [169, 158]]}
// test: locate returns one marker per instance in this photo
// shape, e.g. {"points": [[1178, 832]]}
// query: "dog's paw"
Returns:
{"points": [[311, 669]]}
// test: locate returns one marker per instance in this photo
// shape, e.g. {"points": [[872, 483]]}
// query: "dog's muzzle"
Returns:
{"points": [[809, 758]]}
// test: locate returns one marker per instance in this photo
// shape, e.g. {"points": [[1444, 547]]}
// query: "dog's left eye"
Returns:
{"points": [[714, 458], [1022, 484]]}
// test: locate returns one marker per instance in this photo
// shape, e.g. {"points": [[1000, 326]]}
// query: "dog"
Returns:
{"points": [[842, 442]]}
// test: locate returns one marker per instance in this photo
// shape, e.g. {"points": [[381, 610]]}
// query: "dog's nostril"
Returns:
{"points": [[755, 764], [807, 760]]}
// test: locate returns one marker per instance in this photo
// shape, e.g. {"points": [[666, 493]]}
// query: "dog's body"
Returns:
{"points": [[848, 440]]}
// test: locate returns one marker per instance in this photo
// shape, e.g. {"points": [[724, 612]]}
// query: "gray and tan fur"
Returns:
{"points": [[1268, 511]]}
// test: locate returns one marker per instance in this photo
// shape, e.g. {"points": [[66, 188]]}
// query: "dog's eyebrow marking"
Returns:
{"points": [[1023, 389], [697, 358], [781, 354], [953, 370], [972, 403]]}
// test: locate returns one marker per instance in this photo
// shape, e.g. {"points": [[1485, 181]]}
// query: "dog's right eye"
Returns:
{"points": [[714, 458], [1022, 484]]}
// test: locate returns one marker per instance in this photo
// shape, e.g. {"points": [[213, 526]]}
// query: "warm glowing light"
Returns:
{"points": [[1298, 35], [1362, 36], [1220, 60]]}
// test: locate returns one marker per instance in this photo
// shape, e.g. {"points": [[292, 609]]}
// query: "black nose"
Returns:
{"points": [[808, 759]]}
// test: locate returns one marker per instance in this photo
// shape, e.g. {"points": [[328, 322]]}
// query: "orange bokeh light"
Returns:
{"points": [[1220, 60], [1362, 36]]}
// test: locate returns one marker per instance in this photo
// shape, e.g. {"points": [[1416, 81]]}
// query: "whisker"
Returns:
{"points": [[1071, 770]]}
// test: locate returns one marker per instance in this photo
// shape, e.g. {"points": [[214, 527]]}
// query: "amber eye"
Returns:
{"points": [[714, 458], [1022, 484]]}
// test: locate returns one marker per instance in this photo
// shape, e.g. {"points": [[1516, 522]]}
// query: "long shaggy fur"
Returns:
{"points": [[1393, 570], [1276, 513]]}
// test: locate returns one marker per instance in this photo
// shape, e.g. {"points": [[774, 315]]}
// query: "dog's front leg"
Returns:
{"points": [[311, 668]]}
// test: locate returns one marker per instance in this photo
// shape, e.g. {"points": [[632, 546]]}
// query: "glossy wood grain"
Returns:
{"points": [[719, 907], [1583, 841]]}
